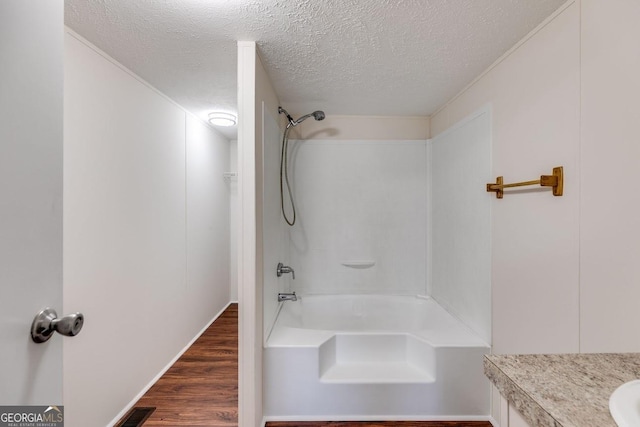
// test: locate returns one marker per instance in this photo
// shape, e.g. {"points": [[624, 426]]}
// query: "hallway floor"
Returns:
{"points": [[201, 388]]}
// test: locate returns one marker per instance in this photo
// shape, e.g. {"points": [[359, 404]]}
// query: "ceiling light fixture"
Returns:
{"points": [[222, 119]]}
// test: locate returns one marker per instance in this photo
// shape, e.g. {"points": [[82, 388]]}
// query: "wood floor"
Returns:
{"points": [[201, 388]]}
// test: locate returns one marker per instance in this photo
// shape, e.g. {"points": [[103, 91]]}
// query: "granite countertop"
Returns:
{"points": [[562, 390]]}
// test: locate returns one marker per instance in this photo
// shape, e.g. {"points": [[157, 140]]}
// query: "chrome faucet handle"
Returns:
{"points": [[283, 269]]}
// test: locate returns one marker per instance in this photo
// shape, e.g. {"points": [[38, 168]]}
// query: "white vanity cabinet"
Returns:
{"points": [[507, 415]]}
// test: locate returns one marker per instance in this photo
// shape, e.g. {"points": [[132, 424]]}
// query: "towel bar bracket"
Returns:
{"points": [[555, 181]]}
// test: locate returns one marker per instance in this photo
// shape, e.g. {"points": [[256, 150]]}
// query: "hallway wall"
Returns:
{"points": [[146, 217], [233, 221]]}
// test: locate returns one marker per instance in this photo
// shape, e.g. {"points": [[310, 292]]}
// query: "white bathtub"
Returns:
{"points": [[363, 357], [358, 313]]}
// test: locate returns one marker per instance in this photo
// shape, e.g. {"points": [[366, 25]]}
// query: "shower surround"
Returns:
{"points": [[362, 209], [390, 250]]}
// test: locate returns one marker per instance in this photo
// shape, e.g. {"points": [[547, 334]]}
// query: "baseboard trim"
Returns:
{"points": [[166, 368]]}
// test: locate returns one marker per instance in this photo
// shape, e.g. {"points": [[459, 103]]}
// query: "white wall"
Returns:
{"points": [[276, 242], [208, 230], [581, 104], [565, 270], [389, 128], [31, 84], [233, 221], [610, 154], [460, 221], [255, 95], [359, 201], [534, 93], [146, 232]]}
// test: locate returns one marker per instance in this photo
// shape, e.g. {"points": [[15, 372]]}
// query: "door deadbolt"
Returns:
{"points": [[46, 323]]}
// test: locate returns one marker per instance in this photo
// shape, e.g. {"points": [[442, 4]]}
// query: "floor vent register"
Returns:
{"points": [[135, 417]]}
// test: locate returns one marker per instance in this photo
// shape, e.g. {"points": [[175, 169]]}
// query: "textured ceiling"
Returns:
{"points": [[356, 57]]}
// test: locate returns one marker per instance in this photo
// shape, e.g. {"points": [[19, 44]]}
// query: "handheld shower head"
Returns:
{"points": [[318, 115], [284, 156]]}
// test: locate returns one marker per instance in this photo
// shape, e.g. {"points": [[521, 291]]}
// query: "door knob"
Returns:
{"points": [[46, 323]]}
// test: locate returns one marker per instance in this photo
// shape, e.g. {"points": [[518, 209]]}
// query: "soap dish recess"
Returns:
{"points": [[358, 264]]}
